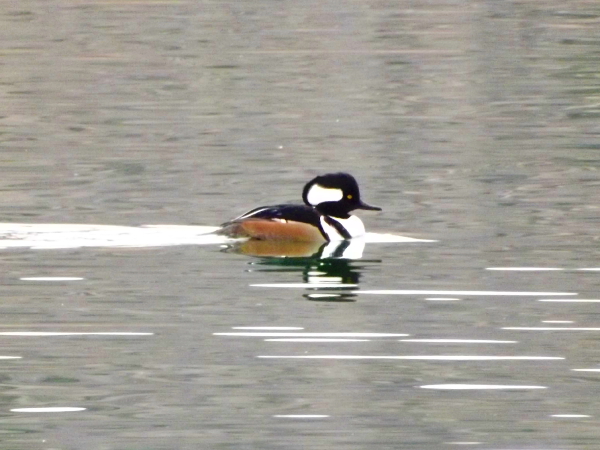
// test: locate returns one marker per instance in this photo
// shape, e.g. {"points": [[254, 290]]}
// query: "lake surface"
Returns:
{"points": [[129, 129]]}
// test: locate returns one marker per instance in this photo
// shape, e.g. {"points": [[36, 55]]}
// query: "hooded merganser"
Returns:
{"points": [[328, 200]]}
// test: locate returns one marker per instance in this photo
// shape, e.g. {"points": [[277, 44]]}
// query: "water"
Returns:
{"points": [[130, 129]]}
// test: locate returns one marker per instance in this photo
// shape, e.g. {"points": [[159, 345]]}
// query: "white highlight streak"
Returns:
{"points": [[305, 285], [301, 416], [11, 357], [51, 236], [464, 443], [68, 333], [585, 370], [51, 279], [420, 357], [464, 387], [390, 238], [459, 341], [267, 328], [569, 300], [570, 416], [50, 409], [316, 340], [48, 236], [325, 335], [474, 293], [557, 321], [525, 269], [412, 291], [550, 329]]}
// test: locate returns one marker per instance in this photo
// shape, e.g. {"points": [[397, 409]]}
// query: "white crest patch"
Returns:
{"points": [[318, 194]]}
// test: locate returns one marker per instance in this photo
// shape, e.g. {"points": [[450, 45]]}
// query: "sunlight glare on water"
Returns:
{"points": [[54, 236], [67, 333], [458, 341], [52, 409], [339, 335], [51, 279]]}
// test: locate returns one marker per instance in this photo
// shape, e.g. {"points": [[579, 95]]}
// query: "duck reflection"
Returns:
{"points": [[332, 265]]}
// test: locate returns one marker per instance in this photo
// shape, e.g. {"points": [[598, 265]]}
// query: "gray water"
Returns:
{"points": [[475, 124]]}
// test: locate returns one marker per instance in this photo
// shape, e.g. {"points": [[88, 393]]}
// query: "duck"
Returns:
{"points": [[324, 217]]}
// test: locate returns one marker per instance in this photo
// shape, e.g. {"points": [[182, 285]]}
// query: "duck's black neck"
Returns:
{"points": [[333, 209]]}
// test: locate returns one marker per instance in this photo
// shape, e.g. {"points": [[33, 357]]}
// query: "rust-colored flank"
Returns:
{"points": [[274, 230]]}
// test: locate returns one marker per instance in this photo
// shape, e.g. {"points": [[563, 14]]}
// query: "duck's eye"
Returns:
{"points": [[349, 196]]}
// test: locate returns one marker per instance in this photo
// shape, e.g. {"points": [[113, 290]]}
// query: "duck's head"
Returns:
{"points": [[334, 194]]}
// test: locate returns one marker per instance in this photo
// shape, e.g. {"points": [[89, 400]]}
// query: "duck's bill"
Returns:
{"points": [[363, 205]]}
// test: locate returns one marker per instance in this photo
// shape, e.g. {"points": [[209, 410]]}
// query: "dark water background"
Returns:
{"points": [[473, 123]]}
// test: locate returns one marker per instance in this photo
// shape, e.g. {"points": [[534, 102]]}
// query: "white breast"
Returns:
{"points": [[352, 224]]}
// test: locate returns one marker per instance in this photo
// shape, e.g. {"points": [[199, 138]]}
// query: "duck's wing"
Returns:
{"points": [[281, 213], [278, 222]]}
